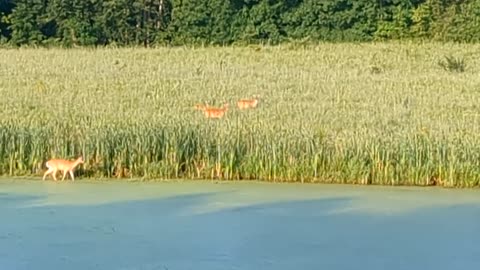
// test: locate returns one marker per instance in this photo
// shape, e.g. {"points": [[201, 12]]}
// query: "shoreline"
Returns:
{"points": [[30, 179]]}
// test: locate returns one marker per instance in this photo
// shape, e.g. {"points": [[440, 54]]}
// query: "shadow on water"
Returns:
{"points": [[167, 234], [7, 199]]}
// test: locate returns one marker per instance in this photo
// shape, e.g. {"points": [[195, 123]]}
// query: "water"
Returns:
{"points": [[86, 225]]}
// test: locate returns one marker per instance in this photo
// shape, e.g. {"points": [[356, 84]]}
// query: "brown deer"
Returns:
{"points": [[212, 112], [63, 165], [247, 103]]}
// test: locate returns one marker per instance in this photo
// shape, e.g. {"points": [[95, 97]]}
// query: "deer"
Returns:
{"points": [[63, 165], [247, 103], [212, 112]]}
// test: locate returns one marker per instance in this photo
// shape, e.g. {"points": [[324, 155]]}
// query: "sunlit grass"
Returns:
{"points": [[344, 113]]}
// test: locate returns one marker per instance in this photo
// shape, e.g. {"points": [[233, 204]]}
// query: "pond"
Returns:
{"points": [[205, 225]]}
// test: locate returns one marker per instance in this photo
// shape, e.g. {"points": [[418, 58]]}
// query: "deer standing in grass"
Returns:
{"points": [[247, 103], [211, 112], [63, 165]]}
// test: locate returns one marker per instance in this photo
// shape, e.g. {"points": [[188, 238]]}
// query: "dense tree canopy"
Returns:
{"points": [[147, 22]]}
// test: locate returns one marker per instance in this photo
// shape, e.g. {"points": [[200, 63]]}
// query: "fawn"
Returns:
{"points": [[63, 165], [211, 112], [247, 103]]}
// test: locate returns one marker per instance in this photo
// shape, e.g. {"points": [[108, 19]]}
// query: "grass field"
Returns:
{"points": [[334, 113]]}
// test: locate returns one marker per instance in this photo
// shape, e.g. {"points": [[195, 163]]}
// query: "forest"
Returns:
{"points": [[226, 22]]}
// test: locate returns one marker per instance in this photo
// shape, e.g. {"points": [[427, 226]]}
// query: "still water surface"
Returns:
{"points": [[202, 225]]}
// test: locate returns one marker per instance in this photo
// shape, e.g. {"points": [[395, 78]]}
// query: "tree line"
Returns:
{"points": [[174, 22]]}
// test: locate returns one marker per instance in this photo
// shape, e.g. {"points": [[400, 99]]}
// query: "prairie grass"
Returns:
{"points": [[383, 113]]}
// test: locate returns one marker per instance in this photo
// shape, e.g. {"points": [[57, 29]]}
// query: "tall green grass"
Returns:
{"points": [[337, 113]]}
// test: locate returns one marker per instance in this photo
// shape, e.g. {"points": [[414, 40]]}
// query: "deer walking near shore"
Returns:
{"points": [[66, 166]]}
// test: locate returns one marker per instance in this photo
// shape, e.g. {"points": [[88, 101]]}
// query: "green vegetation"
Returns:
{"points": [[452, 64], [336, 113], [180, 22]]}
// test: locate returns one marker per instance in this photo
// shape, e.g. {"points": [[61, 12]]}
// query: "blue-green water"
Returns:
{"points": [[210, 226]]}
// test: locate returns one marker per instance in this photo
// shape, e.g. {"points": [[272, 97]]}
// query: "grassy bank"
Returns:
{"points": [[345, 113]]}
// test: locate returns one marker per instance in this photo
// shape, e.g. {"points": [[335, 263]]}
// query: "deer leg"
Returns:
{"points": [[64, 174], [54, 174], [49, 171], [71, 175]]}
